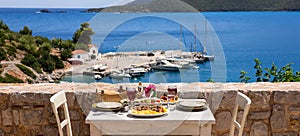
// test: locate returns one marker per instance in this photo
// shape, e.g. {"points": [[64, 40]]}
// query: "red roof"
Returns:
{"points": [[79, 52]]}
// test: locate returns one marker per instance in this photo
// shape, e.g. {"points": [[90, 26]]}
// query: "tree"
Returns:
{"points": [[2, 54], [45, 49], [3, 26], [47, 63], [58, 63], [81, 46], [83, 34], [65, 54], [26, 31], [31, 61], [39, 40]]}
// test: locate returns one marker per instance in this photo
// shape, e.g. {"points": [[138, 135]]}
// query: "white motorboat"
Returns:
{"points": [[99, 67], [165, 65], [97, 77], [119, 74], [136, 71], [188, 66], [209, 57]]}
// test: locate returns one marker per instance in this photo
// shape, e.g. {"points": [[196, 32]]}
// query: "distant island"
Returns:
{"points": [[48, 11], [202, 6]]}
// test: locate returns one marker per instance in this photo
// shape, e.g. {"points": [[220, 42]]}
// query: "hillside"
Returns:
{"points": [[153, 6], [203, 5], [31, 59], [245, 5]]}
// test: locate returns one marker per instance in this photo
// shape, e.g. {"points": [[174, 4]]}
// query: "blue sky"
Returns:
{"points": [[61, 3]]}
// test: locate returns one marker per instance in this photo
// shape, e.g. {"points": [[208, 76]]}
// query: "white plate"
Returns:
{"points": [[147, 115], [192, 104], [107, 105]]}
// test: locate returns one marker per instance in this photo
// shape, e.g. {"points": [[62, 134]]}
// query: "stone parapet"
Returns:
{"points": [[275, 109]]}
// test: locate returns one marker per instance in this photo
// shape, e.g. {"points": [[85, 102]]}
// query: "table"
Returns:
{"points": [[176, 122]]}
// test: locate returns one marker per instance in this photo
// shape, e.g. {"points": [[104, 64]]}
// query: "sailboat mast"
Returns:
{"points": [[205, 38], [181, 37], [195, 41]]}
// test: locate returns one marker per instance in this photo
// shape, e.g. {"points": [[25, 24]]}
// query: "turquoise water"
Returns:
{"points": [[269, 36]]}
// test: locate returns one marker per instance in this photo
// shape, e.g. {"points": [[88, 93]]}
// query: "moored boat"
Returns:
{"points": [[165, 65], [119, 74]]}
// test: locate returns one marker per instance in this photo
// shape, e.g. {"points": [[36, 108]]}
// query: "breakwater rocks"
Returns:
{"points": [[25, 109], [55, 76]]}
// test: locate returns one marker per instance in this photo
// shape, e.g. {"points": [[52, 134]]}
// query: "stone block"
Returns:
{"points": [[76, 128], [50, 131], [3, 101], [223, 121], [228, 99], [74, 115], [278, 119], [70, 99], [2, 133], [294, 109], [259, 115], [31, 117], [259, 129], [36, 130], [287, 97], [260, 100], [29, 98], [285, 134], [7, 117], [16, 118], [239, 119]]}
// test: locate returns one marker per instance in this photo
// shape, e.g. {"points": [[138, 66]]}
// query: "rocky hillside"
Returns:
{"points": [[203, 5], [31, 59], [153, 6], [245, 5]]}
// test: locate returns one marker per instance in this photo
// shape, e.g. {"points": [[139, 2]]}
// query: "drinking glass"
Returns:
{"points": [[131, 93], [172, 92]]}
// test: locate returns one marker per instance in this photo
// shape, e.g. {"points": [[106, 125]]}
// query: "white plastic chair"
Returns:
{"points": [[244, 102], [59, 100]]}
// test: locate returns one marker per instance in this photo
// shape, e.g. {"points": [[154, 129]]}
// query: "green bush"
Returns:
{"points": [[31, 61], [11, 51], [2, 54], [47, 63], [58, 63], [26, 31], [65, 54], [10, 79], [26, 71], [273, 74]]}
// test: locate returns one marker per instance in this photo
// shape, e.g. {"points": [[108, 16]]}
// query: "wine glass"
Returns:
{"points": [[131, 93], [172, 92]]}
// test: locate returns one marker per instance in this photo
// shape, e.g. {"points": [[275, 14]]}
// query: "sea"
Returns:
{"points": [[273, 37]]}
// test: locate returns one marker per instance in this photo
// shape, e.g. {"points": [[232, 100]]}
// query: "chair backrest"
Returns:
{"points": [[244, 102], [59, 100]]}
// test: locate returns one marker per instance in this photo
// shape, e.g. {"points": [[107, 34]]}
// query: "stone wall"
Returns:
{"points": [[275, 109]]}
